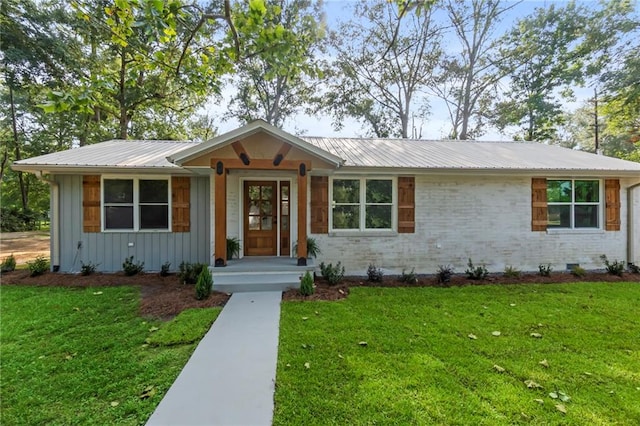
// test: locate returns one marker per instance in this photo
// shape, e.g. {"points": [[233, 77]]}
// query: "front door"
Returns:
{"points": [[261, 218]]}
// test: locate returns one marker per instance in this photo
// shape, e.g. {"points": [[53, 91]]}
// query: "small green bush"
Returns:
{"points": [[374, 274], [511, 272], [578, 271], [233, 247], [476, 272], [189, 272], [313, 249], [88, 268], [444, 274], [333, 274], [613, 268], [130, 269], [306, 284], [635, 269], [38, 266], [544, 270], [204, 284], [8, 264], [409, 277], [164, 269]]}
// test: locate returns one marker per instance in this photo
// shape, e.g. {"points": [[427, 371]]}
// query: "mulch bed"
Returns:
{"points": [[165, 297]]}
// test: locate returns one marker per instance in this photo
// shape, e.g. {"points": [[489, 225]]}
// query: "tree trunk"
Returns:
{"points": [[124, 120], [16, 141]]}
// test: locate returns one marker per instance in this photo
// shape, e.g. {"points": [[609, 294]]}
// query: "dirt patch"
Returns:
{"points": [[161, 297], [24, 246]]}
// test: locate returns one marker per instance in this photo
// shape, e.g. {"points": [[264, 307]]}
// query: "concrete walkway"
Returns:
{"points": [[230, 378]]}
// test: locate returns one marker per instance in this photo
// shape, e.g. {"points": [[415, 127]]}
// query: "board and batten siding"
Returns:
{"points": [[109, 249], [485, 218]]}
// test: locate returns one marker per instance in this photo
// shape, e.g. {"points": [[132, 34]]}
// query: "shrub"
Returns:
{"points": [[306, 284], [613, 268], [634, 268], [164, 269], [38, 266], [233, 247], [333, 274], [313, 249], [189, 272], [511, 272], [444, 274], [578, 271], [8, 264], [544, 270], [130, 269], [409, 278], [476, 272], [88, 268], [374, 274], [204, 284]]}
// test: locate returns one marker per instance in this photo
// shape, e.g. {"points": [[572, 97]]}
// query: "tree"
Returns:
{"points": [[274, 87], [380, 76], [549, 53]]}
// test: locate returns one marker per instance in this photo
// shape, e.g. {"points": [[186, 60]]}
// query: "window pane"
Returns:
{"points": [[379, 191], [559, 216], [154, 217], [267, 192], [118, 217], [154, 191], [267, 223], [346, 191], [587, 191], [254, 192], [346, 217], [254, 223], [559, 191], [118, 191], [378, 217], [266, 208], [586, 216]]}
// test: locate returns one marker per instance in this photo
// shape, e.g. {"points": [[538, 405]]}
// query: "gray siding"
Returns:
{"points": [[111, 248]]}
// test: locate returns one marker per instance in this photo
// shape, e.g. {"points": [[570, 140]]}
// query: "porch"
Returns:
{"points": [[259, 273]]}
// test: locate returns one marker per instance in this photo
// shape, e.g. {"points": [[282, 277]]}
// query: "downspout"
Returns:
{"points": [[55, 221], [630, 223]]}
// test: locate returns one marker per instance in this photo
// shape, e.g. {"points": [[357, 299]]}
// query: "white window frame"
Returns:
{"points": [[136, 202], [363, 204], [574, 203]]}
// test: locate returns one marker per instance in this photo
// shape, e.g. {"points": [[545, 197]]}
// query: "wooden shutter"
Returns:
{"points": [[180, 204], [91, 203], [319, 204], [406, 205], [539, 217], [612, 204]]}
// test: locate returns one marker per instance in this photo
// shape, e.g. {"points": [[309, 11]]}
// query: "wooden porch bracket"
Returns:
{"points": [[241, 153], [282, 152]]}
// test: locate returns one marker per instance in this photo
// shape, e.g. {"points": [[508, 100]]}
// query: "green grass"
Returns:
{"points": [[188, 327], [79, 356], [420, 367]]}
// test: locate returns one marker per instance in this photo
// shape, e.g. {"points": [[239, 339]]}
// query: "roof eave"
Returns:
{"points": [[76, 169], [490, 171]]}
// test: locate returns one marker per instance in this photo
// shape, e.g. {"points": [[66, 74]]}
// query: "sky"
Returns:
{"points": [[436, 126]]}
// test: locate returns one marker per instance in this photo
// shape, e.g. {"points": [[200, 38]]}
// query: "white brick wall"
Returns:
{"points": [[487, 219]]}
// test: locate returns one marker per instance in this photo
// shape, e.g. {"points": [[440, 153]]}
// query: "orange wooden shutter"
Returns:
{"points": [[319, 204], [406, 205], [612, 204], [180, 204], [539, 217], [91, 203]]}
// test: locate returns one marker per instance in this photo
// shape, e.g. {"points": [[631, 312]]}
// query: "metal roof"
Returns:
{"points": [[113, 154], [469, 155]]}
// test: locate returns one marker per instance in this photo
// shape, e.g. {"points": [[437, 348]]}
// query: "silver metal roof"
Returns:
{"points": [[470, 155], [113, 154]]}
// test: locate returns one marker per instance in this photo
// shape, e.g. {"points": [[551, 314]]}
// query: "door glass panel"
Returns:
{"points": [[285, 193], [285, 223], [267, 223], [254, 192], [267, 192], [266, 208], [285, 208]]}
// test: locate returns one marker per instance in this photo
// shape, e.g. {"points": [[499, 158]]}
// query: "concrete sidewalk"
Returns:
{"points": [[230, 378]]}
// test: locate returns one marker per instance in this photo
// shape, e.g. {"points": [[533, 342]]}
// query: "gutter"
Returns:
{"points": [[630, 223], [55, 220]]}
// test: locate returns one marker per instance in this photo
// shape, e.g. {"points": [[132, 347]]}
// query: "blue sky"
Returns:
{"points": [[436, 126]]}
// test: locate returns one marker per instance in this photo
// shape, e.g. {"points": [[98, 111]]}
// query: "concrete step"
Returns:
{"points": [[233, 282]]}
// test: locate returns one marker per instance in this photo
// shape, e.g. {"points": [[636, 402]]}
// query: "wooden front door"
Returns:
{"points": [[260, 218]]}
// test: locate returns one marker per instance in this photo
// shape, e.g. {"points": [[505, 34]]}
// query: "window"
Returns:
{"points": [[362, 204], [136, 204], [573, 203]]}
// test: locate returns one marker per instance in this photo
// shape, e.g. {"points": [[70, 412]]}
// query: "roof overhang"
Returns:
{"points": [[181, 157], [64, 169]]}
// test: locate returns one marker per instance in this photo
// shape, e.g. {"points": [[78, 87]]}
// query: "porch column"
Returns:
{"points": [[220, 214], [302, 214]]}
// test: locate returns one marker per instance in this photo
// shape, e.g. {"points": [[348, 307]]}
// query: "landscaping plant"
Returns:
{"points": [[204, 284], [444, 274], [634, 268], [130, 269], [511, 272], [476, 272], [544, 270], [313, 249], [189, 272], [8, 264], [88, 268], [164, 269], [233, 247], [374, 274], [333, 274], [38, 266], [409, 277], [306, 284], [578, 271], [613, 268]]}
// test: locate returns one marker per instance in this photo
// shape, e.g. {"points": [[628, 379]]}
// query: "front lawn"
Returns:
{"points": [[464, 355], [80, 355]]}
